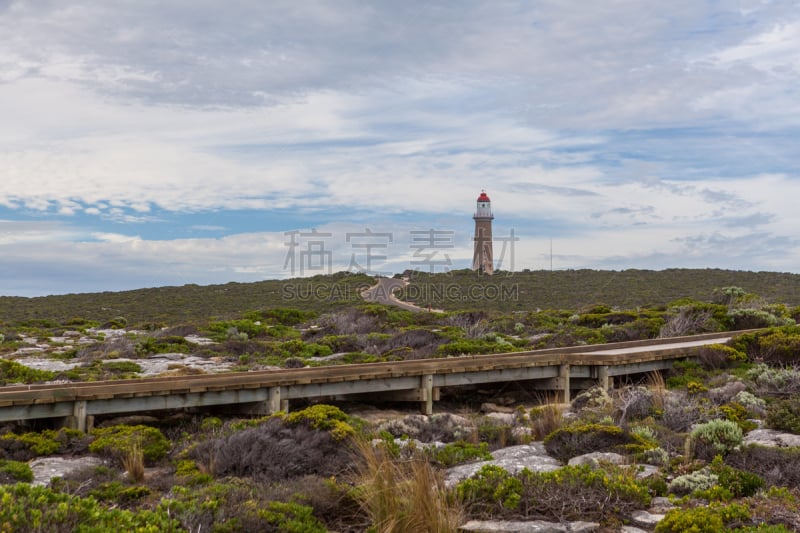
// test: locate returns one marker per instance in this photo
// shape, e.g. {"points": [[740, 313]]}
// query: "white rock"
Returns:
{"points": [[504, 418], [512, 459], [595, 458], [46, 468], [772, 438], [646, 519], [534, 526]]}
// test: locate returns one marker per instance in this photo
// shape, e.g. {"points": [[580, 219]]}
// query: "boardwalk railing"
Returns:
{"points": [[265, 392]]}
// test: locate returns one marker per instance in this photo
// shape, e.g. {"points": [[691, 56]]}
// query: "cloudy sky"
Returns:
{"points": [[149, 143]]}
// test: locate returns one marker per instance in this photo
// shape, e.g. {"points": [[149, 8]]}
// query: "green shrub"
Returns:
{"points": [[737, 413], [698, 480], [321, 416], [459, 452], [121, 440], [13, 372], [118, 493], [767, 379], [774, 346], [711, 519], [45, 442], [291, 518], [570, 441], [714, 356], [569, 493], [15, 471], [717, 481], [29, 508], [754, 405], [684, 372], [716, 437], [785, 415]]}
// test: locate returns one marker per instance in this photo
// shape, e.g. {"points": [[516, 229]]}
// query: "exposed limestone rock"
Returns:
{"points": [[646, 518], [660, 505], [772, 438], [646, 471], [489, 407], [439, 427], [503, 418], [595, 458], [513, 459], [631, 529], [535, 526], [46, 468]]}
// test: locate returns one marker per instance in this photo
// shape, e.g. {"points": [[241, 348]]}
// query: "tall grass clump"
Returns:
{"points": [[403, 495]]}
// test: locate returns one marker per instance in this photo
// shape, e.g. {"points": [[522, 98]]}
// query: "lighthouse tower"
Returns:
{"points": [[482, 259]]}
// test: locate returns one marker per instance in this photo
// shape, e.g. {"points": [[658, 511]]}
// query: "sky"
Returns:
{"points": [[148, 143]]}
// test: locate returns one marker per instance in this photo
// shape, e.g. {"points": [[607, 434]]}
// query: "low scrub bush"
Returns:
{"points": [[777, 466], [273, 451], [570, 441], [785, 415], [443, 427], [13, 372], [121, 441], [290, 517], [679, 410], [716, 437], [569, 493], [755, 406], [716, 356], [773, 346], [323, 417], [25, 446], [770, 380], [711, 519], [459, 452], [29, 508], [14, 471], [717, 481]]}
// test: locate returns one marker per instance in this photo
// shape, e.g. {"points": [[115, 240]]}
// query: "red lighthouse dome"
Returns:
{"points": [[483, 197]]}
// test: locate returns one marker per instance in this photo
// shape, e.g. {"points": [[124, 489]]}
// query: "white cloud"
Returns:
{"points": [[662, 133]]}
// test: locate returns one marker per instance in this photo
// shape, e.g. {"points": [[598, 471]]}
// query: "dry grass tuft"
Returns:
{"points": [[403, 495], [133, 462]]}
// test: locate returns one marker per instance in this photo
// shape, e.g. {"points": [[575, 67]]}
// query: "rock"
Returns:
{"points": [[513, 459], [439, 427], [72, 333], [534, 526], [489, 407], [631, 529], [507, 419], [661, 505], [646, 471], [595, 458], [28, 351], [46, 468], [521, 433], [196, 339], [772, 438], [646, 519]]}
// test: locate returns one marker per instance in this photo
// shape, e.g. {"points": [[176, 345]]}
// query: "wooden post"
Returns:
{"points": [[426, 393], [79, 415], [273, 400], [563, 381], [602, 377]]}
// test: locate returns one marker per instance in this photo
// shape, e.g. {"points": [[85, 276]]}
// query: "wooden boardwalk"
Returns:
{"points": [[264, 392]]}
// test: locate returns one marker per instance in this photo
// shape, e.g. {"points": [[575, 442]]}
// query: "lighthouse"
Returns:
{"points": [[482, 257]]}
